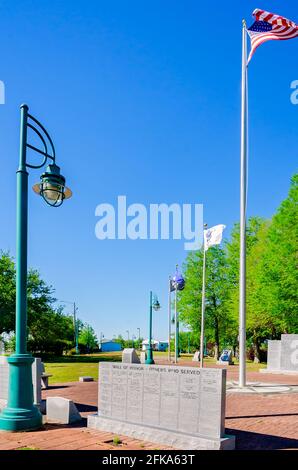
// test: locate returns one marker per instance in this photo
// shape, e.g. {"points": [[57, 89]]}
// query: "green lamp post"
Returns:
{"points": [[155, 305], [20, 413]]}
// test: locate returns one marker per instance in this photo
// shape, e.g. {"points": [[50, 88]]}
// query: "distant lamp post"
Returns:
{"points": [[75, 322], [20, 413], [139, 331], [155, 305]]}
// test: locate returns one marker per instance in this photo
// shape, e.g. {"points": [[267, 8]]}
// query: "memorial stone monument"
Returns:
{"points": [[196, 356], [143, 357], [282, 355], [183, 407], [61, 410], [4, 379], [129, 356]]}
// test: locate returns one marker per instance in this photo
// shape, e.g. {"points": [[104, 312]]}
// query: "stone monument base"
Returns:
{"points": [[282, 372], [159, 436]]}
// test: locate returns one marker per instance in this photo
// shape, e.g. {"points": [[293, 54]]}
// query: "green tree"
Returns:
{"points": [[189, 300], [7, 293], [276, 294], [87, 339], [49, 330], [256, 227]]}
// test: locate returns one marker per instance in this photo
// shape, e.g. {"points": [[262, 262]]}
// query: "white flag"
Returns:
{"points": [[213, 236]]}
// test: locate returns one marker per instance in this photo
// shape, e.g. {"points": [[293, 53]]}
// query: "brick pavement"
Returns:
{"points": [[257, 421]]}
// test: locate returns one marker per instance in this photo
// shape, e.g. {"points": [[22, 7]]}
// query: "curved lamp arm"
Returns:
{"points": [[43, 135]]}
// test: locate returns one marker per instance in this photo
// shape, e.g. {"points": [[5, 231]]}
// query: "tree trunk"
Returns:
{"points": [[256, 348]]}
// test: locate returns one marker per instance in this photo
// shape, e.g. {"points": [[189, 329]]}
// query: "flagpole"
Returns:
{"points": [[176, 353], [169, 312], [243, 189], [203, 304]]}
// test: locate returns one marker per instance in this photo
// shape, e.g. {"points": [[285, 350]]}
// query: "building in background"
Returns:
{"points": [[109, 345]]}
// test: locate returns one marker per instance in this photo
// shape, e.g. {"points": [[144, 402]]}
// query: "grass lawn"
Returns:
{"points": [[70, 368]]}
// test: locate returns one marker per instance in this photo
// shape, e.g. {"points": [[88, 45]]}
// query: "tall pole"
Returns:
{"points": [[149, 359], [139, 330], [169, 320], [176, 326], [20, 413], [243, 189], [203, 307]]}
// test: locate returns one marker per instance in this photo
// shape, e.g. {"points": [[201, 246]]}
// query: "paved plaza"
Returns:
{"points": [[260, 420]]}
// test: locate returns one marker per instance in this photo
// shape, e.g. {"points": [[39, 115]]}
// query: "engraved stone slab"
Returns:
{"points": [[36, 379], [172, 399], [143, 357], [196, 356], [61, 410], [86, 378], [289, 352], [274, 355], [129, 356]]}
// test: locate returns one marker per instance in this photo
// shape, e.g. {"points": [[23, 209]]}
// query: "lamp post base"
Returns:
{"points": [[149, 359], [20, 414], [16, 419]]}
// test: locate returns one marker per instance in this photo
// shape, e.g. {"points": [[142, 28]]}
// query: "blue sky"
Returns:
{"points": [[142, 99]]}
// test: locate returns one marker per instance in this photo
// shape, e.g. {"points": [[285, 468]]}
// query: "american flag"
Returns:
{"points": [[269, 26]]}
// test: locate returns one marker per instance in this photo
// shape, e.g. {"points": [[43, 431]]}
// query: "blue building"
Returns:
{"points": [[109, 345]]}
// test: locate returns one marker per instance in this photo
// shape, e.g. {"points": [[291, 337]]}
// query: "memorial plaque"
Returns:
{"points": [[274, 355], [143, 357], [129, 356], [283, 355], [181, 399], [289, 353], [196, 356], [36, 379]]}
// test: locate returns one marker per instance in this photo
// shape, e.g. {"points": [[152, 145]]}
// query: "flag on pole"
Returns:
{"points": [[213, 236], [269, 26], [177, 281]]}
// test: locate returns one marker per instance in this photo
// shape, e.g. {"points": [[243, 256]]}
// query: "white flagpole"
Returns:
{"points": [[243, 189], [203, 304], [169, 312]]}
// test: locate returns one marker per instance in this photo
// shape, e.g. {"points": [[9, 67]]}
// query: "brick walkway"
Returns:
{"points": [[257, 421]]}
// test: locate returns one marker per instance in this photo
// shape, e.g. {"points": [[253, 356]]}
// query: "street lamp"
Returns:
{"points": [[20, 413], [155, 305], [139, 331]]}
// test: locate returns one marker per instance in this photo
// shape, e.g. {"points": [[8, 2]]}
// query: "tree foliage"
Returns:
{"points": [[272, 279], [49, 329]]}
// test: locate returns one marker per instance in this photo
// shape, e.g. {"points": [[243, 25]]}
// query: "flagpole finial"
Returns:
{"points": [[244, 23]]}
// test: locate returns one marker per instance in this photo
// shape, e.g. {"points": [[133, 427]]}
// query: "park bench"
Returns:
{"points": [[4, 376]]}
